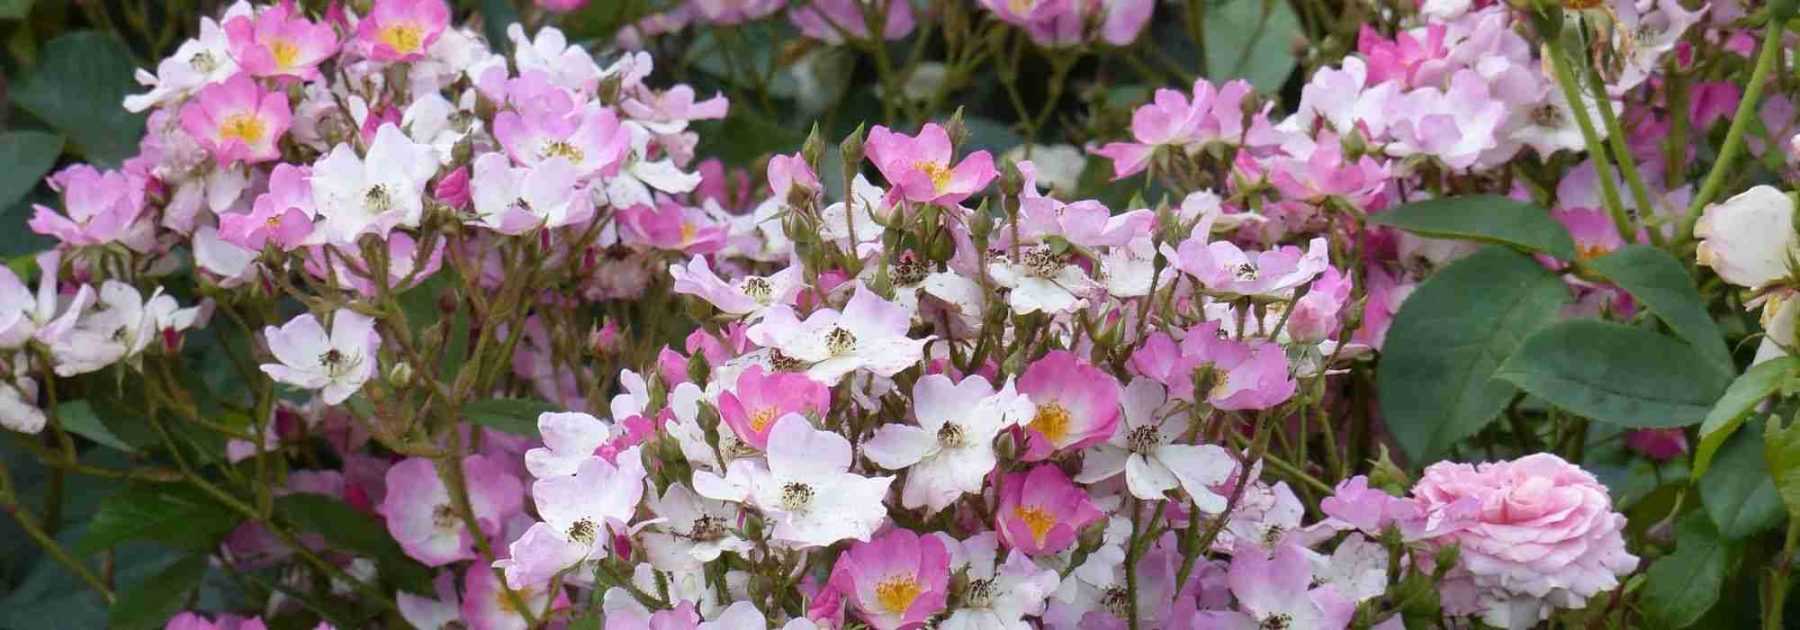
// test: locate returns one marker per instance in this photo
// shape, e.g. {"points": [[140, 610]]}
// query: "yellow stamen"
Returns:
{"points": [[896, 593], [245, 127], [1052, 420], [286, 54], [688, 230], [405, 38], [761, 420], [1037, 519], [939, 174]]}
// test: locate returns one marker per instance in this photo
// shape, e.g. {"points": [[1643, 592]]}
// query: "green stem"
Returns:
{"points": [[1615, 136], [1776, 601], [35, 531], [1740, 123], [1571, 87]]}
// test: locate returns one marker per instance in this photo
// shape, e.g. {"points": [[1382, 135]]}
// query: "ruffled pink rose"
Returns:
{"points": [[1535, 533]]}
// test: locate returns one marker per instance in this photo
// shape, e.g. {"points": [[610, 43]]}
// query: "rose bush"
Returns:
{"points": [[901, 314]]}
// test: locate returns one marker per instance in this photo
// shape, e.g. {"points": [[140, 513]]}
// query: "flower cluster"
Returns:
{"points": [[499, 307]]}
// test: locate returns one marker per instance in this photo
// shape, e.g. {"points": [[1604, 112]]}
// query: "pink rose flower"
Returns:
{"points": [[279, 42], [1658, 444], [920, 170], [897, 580], [1041, 511], [1544, 534], [760, 398], [1077, 405], [401, 30]]}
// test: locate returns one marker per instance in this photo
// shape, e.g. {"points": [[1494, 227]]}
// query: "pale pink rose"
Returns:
{"points": [[1544, 534]]}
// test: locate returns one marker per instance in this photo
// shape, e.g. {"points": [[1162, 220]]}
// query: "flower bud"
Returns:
{"points": [[852, 150], [814, 148], [400, 375]]}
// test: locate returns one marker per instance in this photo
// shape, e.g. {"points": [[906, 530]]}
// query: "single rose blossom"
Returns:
{"points": [[280, 42], [1077, 405], [401, 30], [238, 121], [1041, 511], [1750, 238], [337, 363], [1541, 535], [751, 408], [896, 580], [920, 170]]}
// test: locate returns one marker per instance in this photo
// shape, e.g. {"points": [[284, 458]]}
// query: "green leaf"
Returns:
{"points": [[348, 529], [150, 603], [589, 621], [1745, 393], [175, 515], [79, 87], [15, 10], [1617, 374], [496, 15], [1738, 492], [1436, 372], [28, 156], [78, 417], [517, 416], [1485, 218], [1659, 281], [746, 135], [1781, 449], [1251, 40], [1682, 586]]}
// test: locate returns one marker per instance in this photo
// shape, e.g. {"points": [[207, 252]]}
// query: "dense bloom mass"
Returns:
{"points": [[423, 310]]}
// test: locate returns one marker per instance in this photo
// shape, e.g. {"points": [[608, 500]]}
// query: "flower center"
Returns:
{"points": [[707, 528], [1116, 601], [1144, 439], [980, 594], [761, 420], [244, 127], [204, 62], [405, 38], [758, 289], [781, 362], [1281, 621], [796, 496], [284, 52], [688, 230], [839, 341], [1041, 262], [1547, 115], [908, 272], [939, 174], [1052, 420], [444, 517], [896, 593], [582, 532], [1245, 272], [560, 149], [1037, 519], [377, 199], [951, 436]]}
